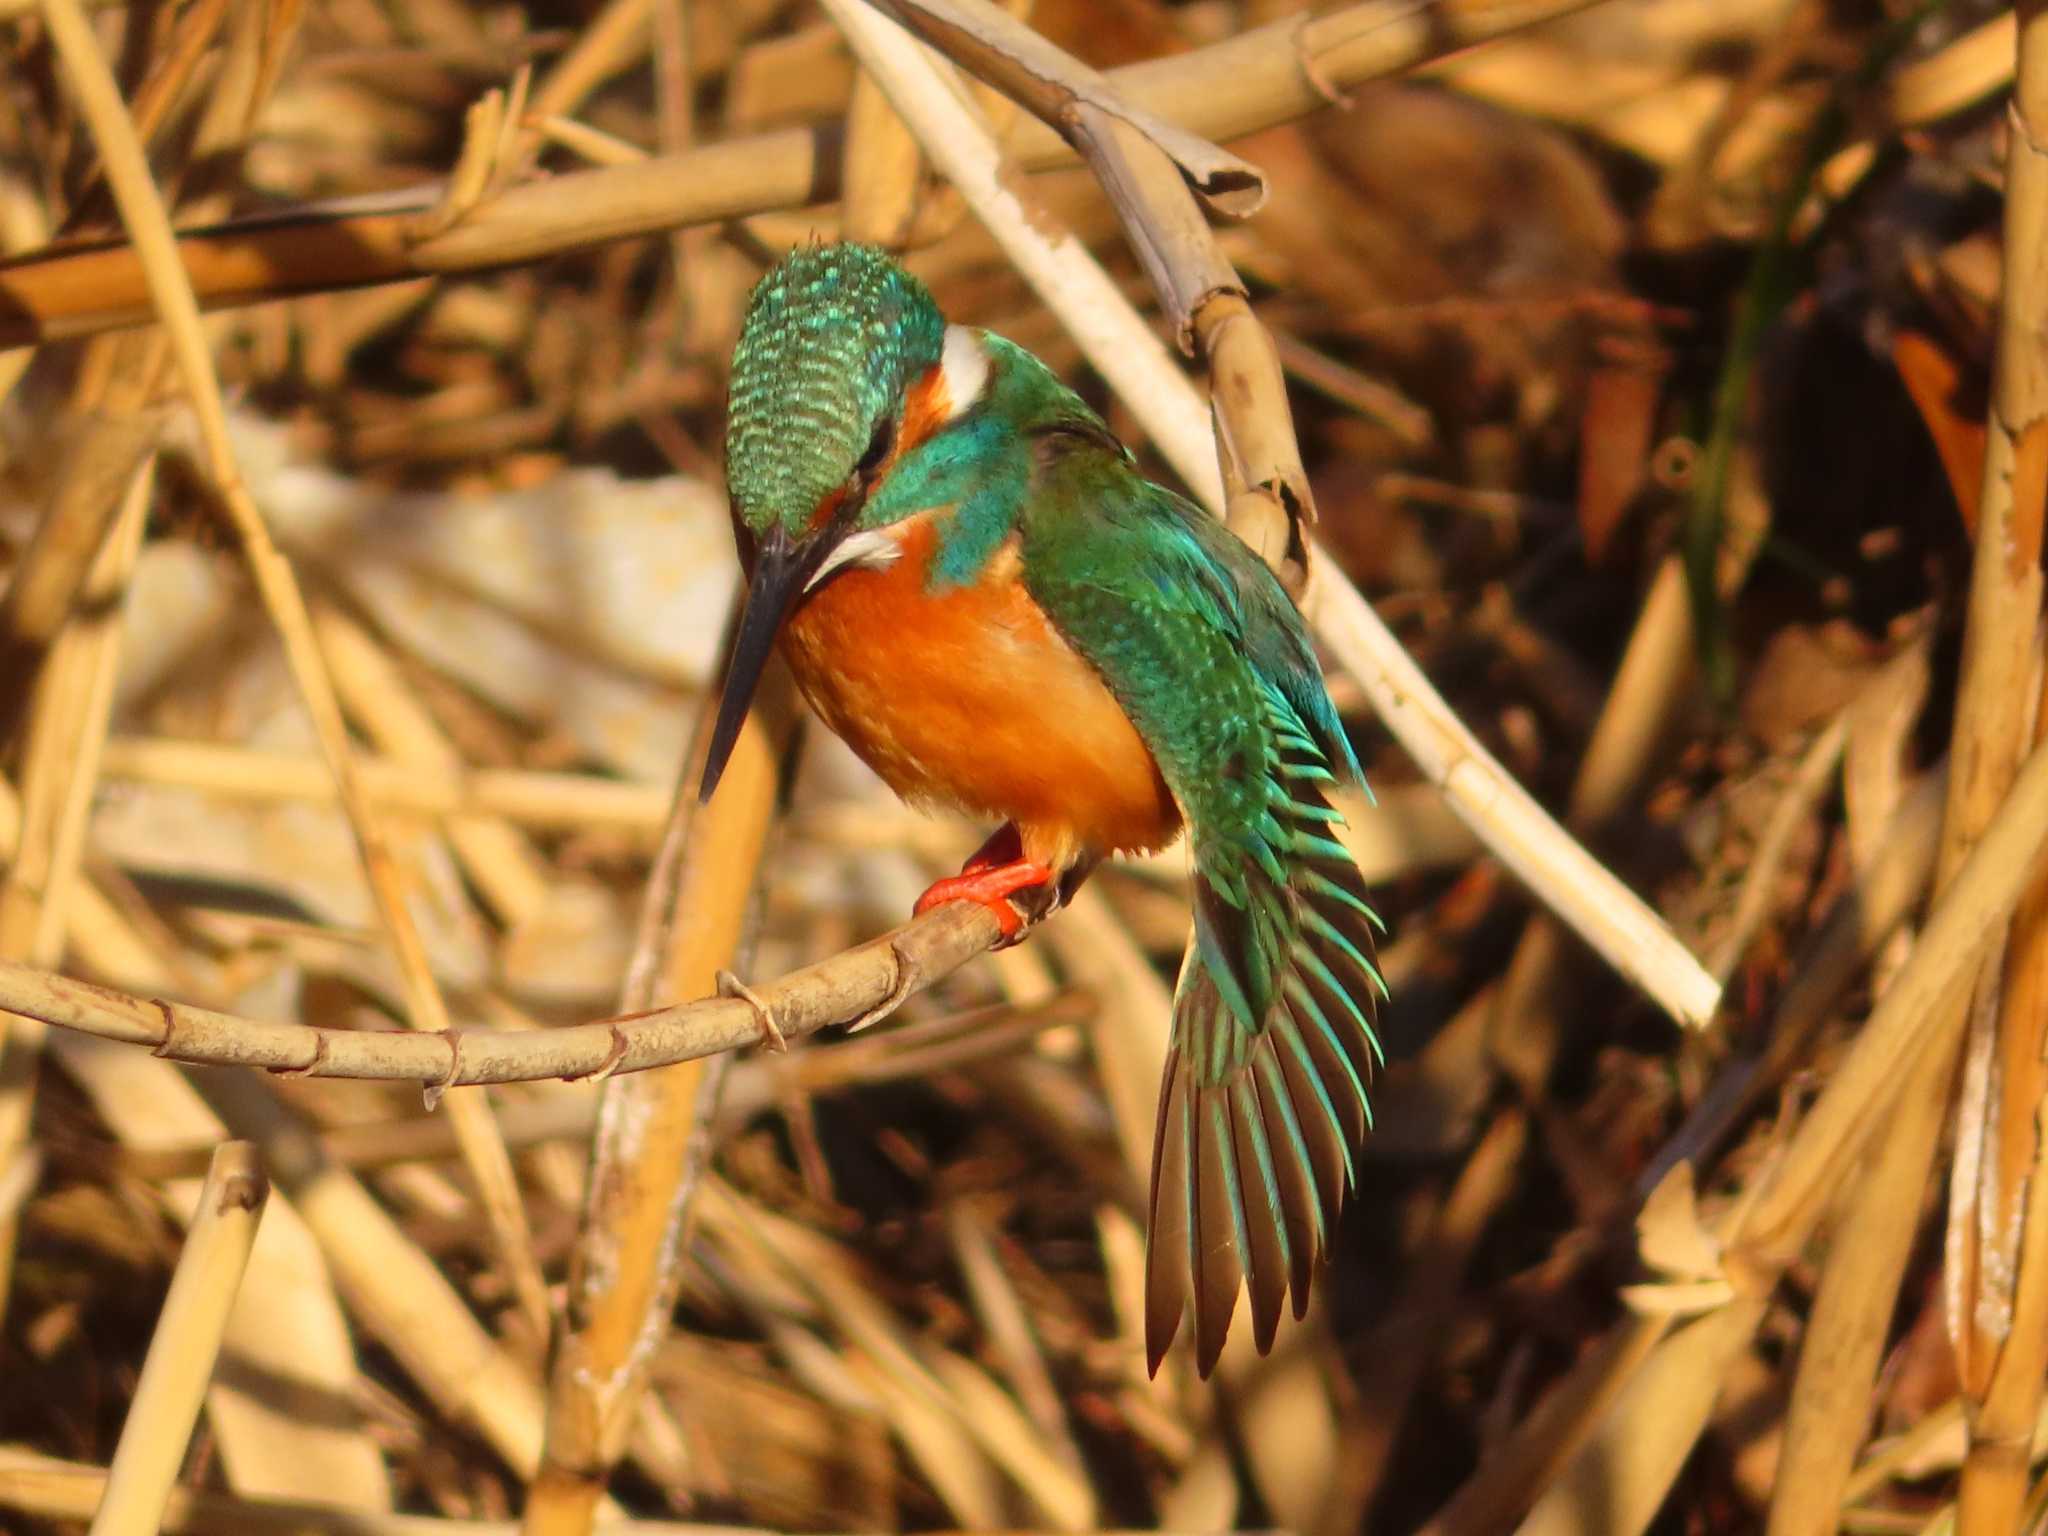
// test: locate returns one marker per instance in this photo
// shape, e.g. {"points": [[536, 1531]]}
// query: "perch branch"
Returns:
{"points": [[833, 991]]}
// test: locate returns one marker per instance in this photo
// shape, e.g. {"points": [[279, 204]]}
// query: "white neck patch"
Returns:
{"points": [[871, 547], [963, 366]]}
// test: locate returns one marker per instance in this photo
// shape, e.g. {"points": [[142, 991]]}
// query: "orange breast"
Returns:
{"points": [[971, 699]]}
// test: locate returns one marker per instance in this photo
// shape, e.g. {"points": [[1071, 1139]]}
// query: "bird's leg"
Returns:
{"points": [[997, 871]]}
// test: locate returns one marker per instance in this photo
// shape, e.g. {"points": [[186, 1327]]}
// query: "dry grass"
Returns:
{"points": [[1665, 375]]}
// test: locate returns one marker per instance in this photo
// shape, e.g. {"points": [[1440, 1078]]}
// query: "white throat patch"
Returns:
{"points": [[963, 365], [870, 547]]}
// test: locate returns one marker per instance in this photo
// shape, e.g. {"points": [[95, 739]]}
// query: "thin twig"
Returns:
{"points": [[834, 991]]}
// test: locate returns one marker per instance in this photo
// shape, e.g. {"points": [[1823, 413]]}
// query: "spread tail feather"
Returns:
{"points": [[1264, 1095]]}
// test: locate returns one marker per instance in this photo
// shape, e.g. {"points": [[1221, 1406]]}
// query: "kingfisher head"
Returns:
{"points": [[843, 364]]}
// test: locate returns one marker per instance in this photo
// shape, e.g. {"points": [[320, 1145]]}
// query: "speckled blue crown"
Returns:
{"points": [[832, 337]]}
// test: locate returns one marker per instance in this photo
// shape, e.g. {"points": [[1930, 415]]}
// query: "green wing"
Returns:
{"points": [[1264, 1093]]}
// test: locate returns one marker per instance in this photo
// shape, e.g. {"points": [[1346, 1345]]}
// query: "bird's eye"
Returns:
{"points": [[878, 447]]}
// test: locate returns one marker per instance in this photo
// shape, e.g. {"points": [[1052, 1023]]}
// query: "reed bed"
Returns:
{"points": [[417, 1115]]}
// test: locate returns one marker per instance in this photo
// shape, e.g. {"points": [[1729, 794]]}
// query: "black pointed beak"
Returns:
{"points": [[782, 568]]}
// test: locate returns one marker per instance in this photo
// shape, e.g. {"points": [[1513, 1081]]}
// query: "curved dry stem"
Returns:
{"points": [[833, 991]]}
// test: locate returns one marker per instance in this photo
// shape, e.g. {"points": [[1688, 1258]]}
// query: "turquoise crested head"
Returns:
{"points": [[833, 337]]}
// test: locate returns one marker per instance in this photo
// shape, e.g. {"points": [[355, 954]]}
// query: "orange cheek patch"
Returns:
{"points": [[828, 508], [926, 406]]}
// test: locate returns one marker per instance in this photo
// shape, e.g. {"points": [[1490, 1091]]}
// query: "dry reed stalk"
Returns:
{"points": [[1542, 1444], [1006, 1322], [1965, 70], [881, 173], [51, 1489], [1851, 935], [1067, 96], [1656, 667], [100, 937], [148, 224], [1766, 1229], [1998, 1234], [1558, 871], [1886, 892], [958, 1423], [652, 1139], [1810, 781], [1429, 1292], [1827, 1418], [1620, 1481], [286, 1331], [615, 40], [1273, 74], [43, 588], [67, 724], [181, 1352], [555, 802], [1997, 1251], [391, 1286], [506, 870], [1147, 169], [1096, 952]]}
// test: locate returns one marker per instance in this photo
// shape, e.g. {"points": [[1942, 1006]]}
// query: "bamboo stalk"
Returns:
{"points": [[181, 1352]]}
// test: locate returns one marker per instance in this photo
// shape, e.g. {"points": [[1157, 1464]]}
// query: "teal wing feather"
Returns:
{"points": [[1263, 1100]]}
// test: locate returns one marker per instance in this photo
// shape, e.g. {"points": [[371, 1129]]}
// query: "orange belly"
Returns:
{"points": [[971, 699]]}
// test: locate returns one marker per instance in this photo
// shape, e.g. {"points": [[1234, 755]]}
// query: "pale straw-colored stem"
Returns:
{"points": [[181, 1352]]}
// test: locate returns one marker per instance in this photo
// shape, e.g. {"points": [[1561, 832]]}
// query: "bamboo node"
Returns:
{"points": [[431, 1093], [163, 1046], [1312, 72], [311, 1068], [772, 1037], [903, 984], [605, 1068]]}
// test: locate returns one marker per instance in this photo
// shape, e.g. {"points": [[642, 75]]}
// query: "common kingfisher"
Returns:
{"points": [[977, 589]]}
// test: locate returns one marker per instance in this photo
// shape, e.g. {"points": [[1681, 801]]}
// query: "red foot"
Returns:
{"points": [[990, 885]]}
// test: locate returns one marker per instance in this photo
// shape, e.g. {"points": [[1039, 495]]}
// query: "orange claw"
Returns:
{"points": [[991, 886]]}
